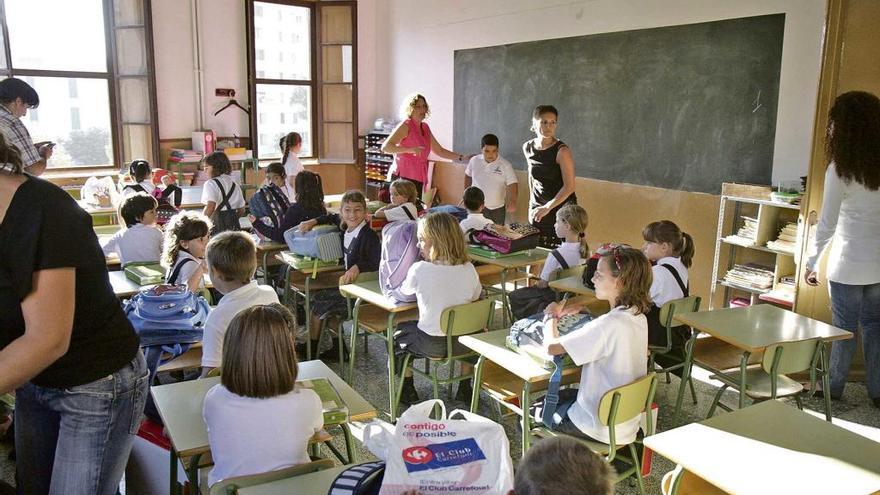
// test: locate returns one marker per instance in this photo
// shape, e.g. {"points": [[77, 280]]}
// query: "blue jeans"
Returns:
{"points": [[852, 305], [77, 440]]}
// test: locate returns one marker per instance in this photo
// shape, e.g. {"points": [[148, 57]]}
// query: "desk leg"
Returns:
{"points": [[192, 473], [354, 331], [172, 471], [265, 267], [350, 450], [526, 402], [389, 337], [478, 383], [308, 306], [826, 382], [685, 374], [743, 367], [504, 303]]}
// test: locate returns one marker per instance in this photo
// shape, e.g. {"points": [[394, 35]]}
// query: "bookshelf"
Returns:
{"points": [[377, 164], [756, 253]]}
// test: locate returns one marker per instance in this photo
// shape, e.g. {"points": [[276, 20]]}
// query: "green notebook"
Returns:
{"points": [[306, 263], [490, 253], [335, 409], [145, 273]]}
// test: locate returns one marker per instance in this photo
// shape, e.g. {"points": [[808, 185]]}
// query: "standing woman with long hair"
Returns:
{"points": [[851, 216], [551, 174], [412, 141], [66, 347]]}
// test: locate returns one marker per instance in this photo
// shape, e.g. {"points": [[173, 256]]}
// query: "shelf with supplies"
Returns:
{"points": [[756, 253], [376, 166]]}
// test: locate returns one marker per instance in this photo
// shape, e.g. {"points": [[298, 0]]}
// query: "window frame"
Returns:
{"points": [[253, 80], [111, 76]]}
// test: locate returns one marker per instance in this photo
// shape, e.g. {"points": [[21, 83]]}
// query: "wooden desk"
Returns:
{"points": [[369, 292], [180, 406], [755, 328], [773, 448], [491, 347], [532, 257], [123, 287], [265, 248], [302, 281], [307, 484], [190, 199]]}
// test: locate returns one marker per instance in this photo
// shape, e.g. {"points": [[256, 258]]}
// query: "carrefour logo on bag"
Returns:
{"points": [[442, 455]]}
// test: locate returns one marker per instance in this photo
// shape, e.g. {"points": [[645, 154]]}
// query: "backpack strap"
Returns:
{"points": [[684, 289], [351, 480], [224, 203], [408, 213], [551, 400], [172, 277], [135, 188], [172, 195], [556, 254]]}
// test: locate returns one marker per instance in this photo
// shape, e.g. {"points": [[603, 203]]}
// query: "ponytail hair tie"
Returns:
{"points": [[582, 235]]}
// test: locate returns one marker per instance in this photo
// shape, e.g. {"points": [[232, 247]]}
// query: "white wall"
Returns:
{"points": [[224, 65], [415, 40]]}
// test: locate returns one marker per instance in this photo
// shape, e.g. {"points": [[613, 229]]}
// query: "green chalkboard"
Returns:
{"points": [[680, 107]]}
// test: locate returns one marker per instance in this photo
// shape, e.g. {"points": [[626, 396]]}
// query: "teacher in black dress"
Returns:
{"points": [[551, 174]]}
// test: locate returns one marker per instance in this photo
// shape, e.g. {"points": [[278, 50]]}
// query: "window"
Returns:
{"points": [[284, 79], [97, 96]]}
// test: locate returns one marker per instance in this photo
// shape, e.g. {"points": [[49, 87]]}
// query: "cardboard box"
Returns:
{"points": [[204, 141]]}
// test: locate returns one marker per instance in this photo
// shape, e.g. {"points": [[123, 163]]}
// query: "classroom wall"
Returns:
{"points": [[422, 36]]}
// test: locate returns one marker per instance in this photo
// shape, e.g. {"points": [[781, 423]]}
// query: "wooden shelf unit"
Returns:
{"points": [[377, 164], [771, 217]]}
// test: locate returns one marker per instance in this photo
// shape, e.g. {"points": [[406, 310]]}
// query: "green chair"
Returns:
{"points": [[464, 319], [231, 486], [618, 405], [689, 304], [768, 381]]}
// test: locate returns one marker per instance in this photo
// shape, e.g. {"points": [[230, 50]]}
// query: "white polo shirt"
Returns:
{"points": [[664, 288], [492, 178], [137, 243], [438, 287], [218, 320], [474, 221]]}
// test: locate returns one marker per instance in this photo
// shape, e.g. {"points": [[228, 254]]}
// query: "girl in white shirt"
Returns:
{"points": [[142, 174], [672, 252], [258, 418], [183, 255], [404, 202], [446, 278], [291, 146], [611, 348], [851, 216], [222, 196]]}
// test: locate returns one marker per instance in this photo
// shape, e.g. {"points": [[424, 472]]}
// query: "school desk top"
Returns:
{"points": [[756, 327], [180, 406], [190, 199], [773, 448], [124, 287], [307, 484], [572, 284], [492, 346], [369, 292], [525, 258]]}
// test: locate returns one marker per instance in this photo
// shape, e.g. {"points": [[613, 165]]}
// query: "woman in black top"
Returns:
{"points": [[551, 174], [66, 347]]}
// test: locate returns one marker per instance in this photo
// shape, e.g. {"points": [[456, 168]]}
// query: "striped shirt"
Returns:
{"points": [[16, 133]]}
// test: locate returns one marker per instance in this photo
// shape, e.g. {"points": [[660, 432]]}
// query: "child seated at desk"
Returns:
{"points": [[362, 252], [232, 261], [405, 204], [474, 202], [611, 349], [183, 255], [140, 240], [446, 278], [142, 174], [308, 203], [275, 174], [671, 251], [258, 420]]}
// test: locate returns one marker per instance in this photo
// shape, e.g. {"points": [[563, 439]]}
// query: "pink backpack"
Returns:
{"points": [[399, 251]]}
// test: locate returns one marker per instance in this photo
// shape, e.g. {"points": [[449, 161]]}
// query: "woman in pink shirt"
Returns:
{"points": [[412, 141]]}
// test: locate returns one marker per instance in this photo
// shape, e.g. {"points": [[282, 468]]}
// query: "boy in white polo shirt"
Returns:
{"points": [[140, 240], [495, 177], [232, 261]]}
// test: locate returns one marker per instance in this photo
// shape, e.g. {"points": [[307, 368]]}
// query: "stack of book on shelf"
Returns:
{"points": [[786, 239], [751, 276], [739, 302], [783, 293], [334, 408], [184, 156], [746, 234]]}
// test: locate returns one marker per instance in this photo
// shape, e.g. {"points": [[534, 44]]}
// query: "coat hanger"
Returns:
{"points": [[233, 102]]}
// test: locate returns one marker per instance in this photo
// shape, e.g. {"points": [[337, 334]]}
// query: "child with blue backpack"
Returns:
{"points": [[308, 204], [362, 250]]}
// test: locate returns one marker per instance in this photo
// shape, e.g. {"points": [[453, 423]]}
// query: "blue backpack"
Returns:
{"points": [[167, 319], [399, 251], [269, 202], [456, 211], [323, 242]]}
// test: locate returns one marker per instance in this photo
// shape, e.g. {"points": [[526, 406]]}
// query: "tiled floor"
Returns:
{"points": [[370, 381]]}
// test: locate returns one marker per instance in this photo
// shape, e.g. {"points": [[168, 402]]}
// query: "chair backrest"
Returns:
{"points": [[790, 357], [631, 400], [573, 271], [684, 305], [231, 485], [467, 318]]}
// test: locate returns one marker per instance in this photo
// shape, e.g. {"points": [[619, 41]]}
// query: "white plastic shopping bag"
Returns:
{"points": [[444, 456]]}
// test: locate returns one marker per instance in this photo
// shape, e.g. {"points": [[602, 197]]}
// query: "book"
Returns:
{"points": [[334, 408]]}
